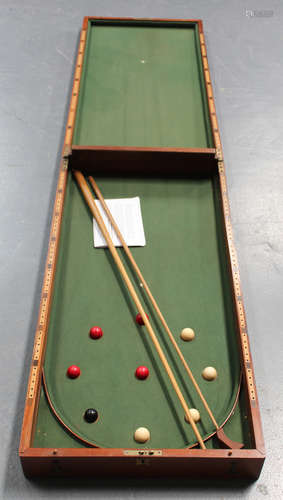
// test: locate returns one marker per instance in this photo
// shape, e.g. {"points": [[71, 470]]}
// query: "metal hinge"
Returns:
{"points": [[143, 453]]}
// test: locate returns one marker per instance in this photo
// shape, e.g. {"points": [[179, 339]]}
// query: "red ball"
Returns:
{"points": [[96, 332], [73, 371], [142, 372], [139, 319]]}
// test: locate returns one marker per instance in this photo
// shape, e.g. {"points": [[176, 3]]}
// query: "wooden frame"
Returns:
{"points": [[87, 461]]}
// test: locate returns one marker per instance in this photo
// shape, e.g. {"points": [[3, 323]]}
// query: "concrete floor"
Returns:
{"points": [[38, 42]]}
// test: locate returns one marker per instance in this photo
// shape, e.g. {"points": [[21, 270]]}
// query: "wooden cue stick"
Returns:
{"points": [[146, 287], [95, 211]]}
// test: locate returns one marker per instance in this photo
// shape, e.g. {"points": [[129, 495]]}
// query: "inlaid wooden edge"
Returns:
{"points": [[34, 381], [75, 94], [210, 97], [240, 313], [235, 275]]}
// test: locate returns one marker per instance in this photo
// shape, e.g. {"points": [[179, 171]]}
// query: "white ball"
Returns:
{"points": [[195, 415], [187, 334], [209, 373], [142, 435]]}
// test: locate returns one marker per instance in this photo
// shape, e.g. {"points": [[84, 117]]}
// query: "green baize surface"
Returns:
{"points": [[184, 265], [142, 86]]}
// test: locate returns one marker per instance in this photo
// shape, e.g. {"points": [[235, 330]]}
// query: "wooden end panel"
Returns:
{"points": [[246, 464], [129, 19]]}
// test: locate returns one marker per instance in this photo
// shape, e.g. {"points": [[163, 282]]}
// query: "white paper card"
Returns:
{"points": [[127, 215]]}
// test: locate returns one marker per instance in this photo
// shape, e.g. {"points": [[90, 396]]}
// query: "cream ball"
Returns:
{"points": [[194, 414], [142, 435], [209, 373], [187, 334]]}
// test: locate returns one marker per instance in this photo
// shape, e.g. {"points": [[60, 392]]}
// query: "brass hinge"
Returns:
{"points": [[67, 151], [218, 154], [143, 453]]}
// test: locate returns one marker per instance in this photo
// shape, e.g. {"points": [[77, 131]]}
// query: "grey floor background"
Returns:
{"points": [[38, 42]]}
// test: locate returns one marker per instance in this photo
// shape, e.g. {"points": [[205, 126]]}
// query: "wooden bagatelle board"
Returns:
{"points": [[142, 120]]}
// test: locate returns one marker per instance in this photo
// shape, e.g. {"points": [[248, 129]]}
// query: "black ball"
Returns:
{"points": [[91, 415]]}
